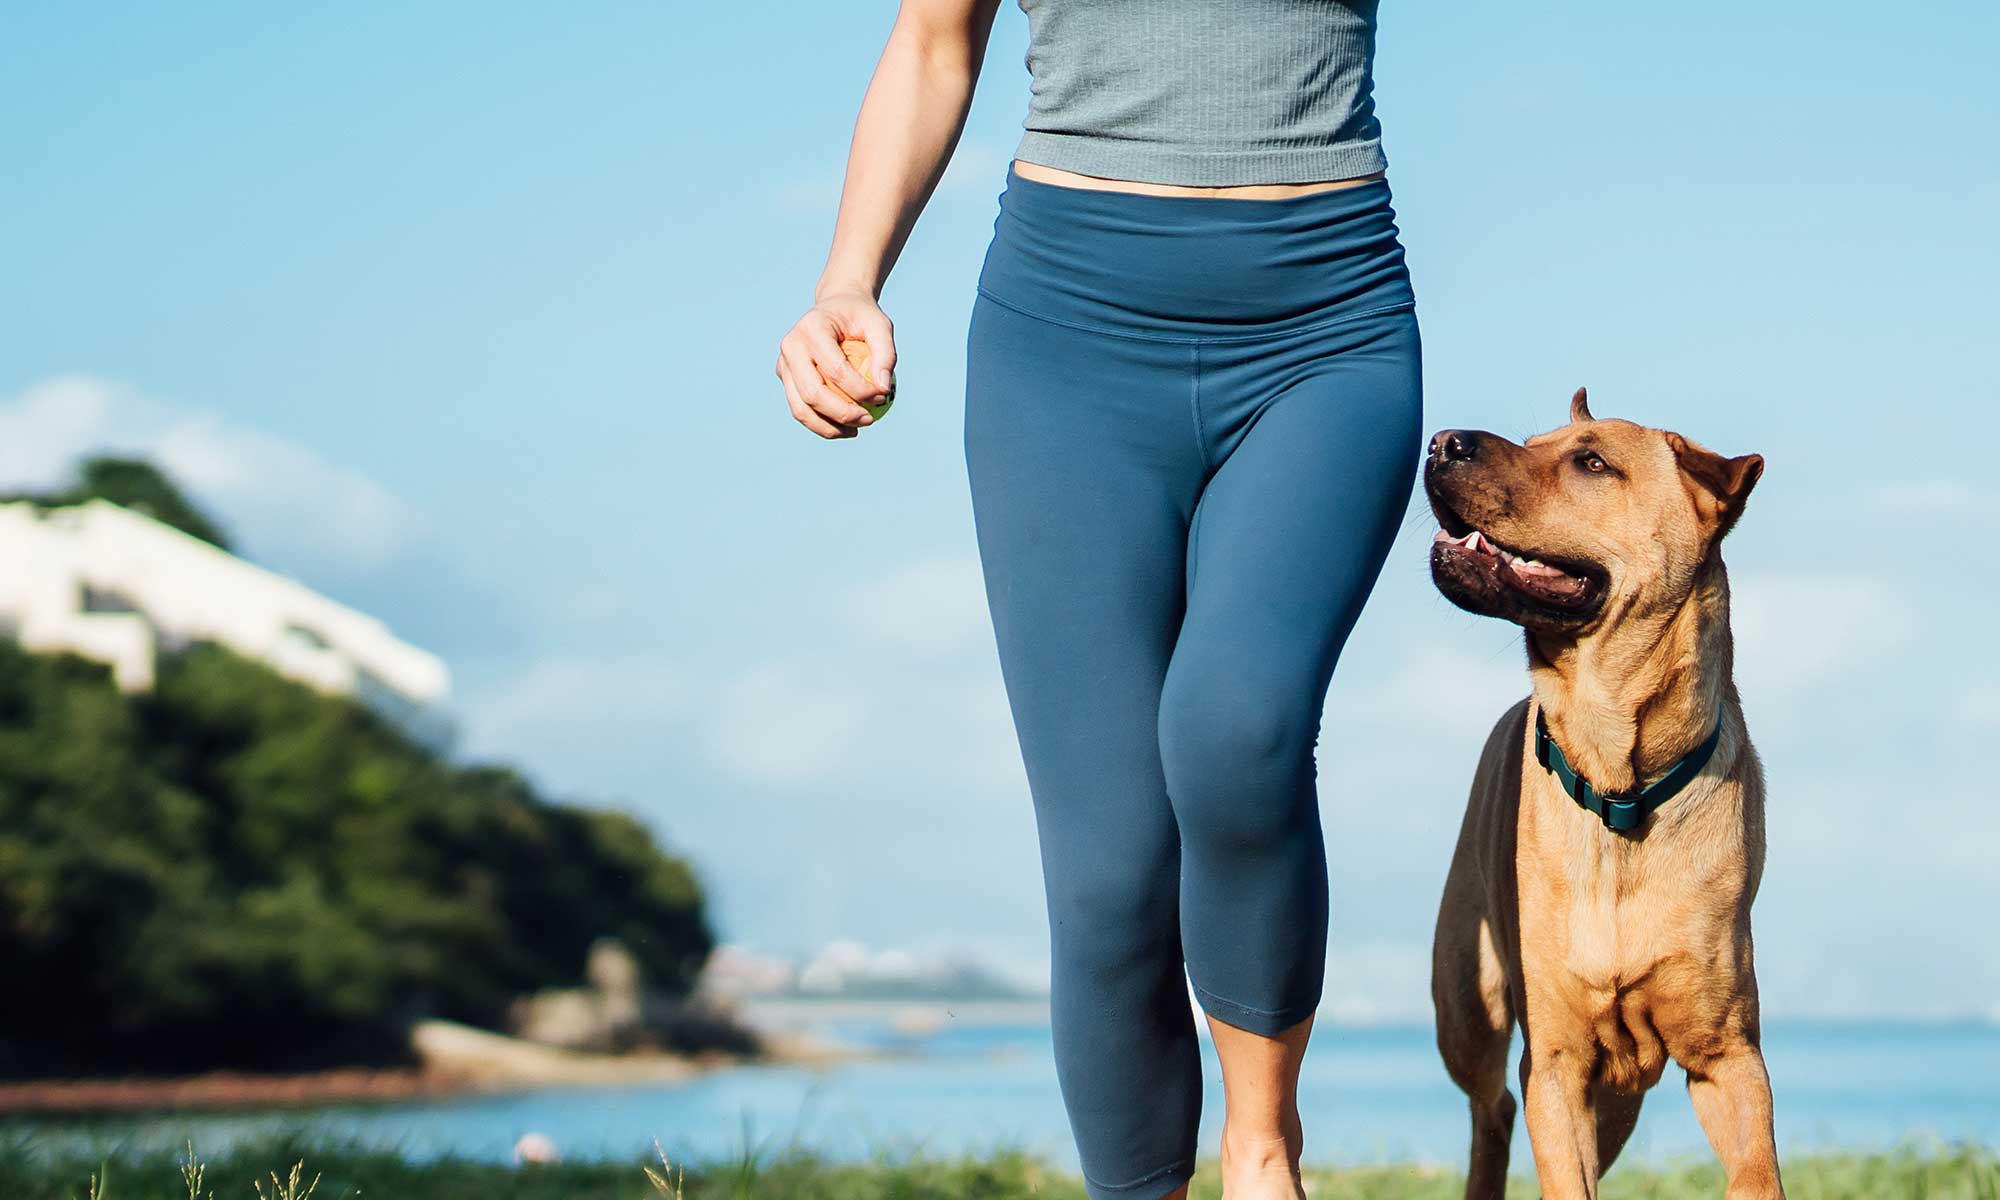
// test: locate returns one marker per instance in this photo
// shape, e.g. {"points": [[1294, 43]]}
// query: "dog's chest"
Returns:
{"points": [[1606, 917], [1594, 967], [1622, 942]]}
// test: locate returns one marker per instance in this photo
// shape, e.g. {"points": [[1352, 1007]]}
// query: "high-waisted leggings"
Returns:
{"points": [[1191, 429]]}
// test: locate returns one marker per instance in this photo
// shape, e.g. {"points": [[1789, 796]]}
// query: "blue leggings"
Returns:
{"points": [[1191, 429]]}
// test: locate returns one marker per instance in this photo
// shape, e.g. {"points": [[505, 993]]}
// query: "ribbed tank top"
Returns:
{"points": [[1203, 92]]}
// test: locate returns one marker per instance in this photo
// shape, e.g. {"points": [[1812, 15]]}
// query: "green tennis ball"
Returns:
{"points": [[858, 357]]}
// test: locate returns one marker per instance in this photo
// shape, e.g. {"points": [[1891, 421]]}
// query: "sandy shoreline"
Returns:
{"points": [[456, 1060]]}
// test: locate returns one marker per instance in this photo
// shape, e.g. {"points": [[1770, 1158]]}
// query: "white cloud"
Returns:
{"points": [[43, 429], [282, 503], [815, 193], [1932, 498], [1797, 631], [930, 608], [1793, 632], [569, 698], [976, 166], [911, 685], [1377, 980], [1980, 707], [774, 724], [1435, 686], [849, 714]]}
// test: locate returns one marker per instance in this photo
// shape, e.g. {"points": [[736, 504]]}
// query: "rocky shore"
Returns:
{"points": [[452, 1060]]}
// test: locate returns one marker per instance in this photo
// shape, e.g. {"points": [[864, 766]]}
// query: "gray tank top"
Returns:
{"points": [[1203, 92]]}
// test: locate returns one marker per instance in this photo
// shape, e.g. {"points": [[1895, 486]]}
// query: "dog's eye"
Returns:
{"points": [[1591, 462]]}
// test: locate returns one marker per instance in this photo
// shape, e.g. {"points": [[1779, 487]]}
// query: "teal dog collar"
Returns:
{"points": [[1622, 813]]}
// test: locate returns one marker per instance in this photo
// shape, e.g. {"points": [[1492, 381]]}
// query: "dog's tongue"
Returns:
{"points": [[1534, 568], [1528, 574], [1544, 580]]}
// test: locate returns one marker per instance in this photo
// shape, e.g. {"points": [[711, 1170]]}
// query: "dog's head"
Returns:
{"points": [[1576, 526]]}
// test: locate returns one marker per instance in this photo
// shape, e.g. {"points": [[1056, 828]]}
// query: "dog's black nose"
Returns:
{"points": [[1455, 445]]}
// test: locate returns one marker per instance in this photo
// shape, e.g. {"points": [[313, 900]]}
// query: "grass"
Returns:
{"points": [[332, 1173]]}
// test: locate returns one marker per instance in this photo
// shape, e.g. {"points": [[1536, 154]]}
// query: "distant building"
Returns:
{"points": [[848, 970], [736, 972], [117, 587]]}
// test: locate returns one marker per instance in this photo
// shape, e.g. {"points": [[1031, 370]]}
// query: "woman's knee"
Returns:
{"points": [[1237, 756], [1105, 915]]}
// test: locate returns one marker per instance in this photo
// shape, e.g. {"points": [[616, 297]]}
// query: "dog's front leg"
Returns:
{"points": [[1732, 1100], [1562, 1129]]}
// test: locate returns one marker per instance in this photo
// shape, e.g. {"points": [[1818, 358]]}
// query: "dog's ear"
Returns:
{"points": [[1579, 407], [1719, 485]]}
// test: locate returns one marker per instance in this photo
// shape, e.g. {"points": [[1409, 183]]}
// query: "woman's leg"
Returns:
{"points": [[1084, 474], [1315, 441], [1262, 1133]]}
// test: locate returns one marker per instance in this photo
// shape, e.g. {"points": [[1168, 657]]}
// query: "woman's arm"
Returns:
{"points": [[910, 120]]}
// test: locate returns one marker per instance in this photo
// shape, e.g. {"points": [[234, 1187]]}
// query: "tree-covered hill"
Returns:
{"points": [[235, 870], [136, 484]]}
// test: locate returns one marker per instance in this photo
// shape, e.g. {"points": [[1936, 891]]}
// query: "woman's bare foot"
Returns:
{"points": [[1262, 1167]]}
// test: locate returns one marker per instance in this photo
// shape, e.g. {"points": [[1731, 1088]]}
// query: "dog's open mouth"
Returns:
{"points": [[1564, 586]]}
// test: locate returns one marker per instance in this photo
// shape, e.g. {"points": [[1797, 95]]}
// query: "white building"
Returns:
{"points": [[108, 584], [735, 972]]}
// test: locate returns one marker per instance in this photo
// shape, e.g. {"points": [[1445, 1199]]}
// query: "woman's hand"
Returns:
{"points": [[910, 120], [809, 358]]}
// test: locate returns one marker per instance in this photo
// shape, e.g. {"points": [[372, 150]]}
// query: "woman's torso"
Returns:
{"points": [[1259, 98]]}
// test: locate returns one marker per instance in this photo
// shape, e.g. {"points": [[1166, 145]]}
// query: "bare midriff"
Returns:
{"points": [[1247, 191]]}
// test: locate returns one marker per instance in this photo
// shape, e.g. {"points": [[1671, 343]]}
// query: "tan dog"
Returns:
{"points": [[1614, 950]]}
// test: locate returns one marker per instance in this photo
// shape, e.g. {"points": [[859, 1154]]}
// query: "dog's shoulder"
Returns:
{"points": [[1497, 783], [1508, 738]]}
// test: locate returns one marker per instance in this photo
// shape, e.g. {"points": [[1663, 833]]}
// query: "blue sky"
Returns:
{"points": [[465, 314]]}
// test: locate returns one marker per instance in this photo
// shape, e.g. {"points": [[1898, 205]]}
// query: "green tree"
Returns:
{"points": [[236, 870], [137, 485]]}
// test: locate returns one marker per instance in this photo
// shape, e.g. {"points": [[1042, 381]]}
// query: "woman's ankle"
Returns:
{"points": [[1263, 1146]]}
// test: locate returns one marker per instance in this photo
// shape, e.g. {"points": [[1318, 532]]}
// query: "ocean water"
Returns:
{"points": [[1369, 1095]]}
